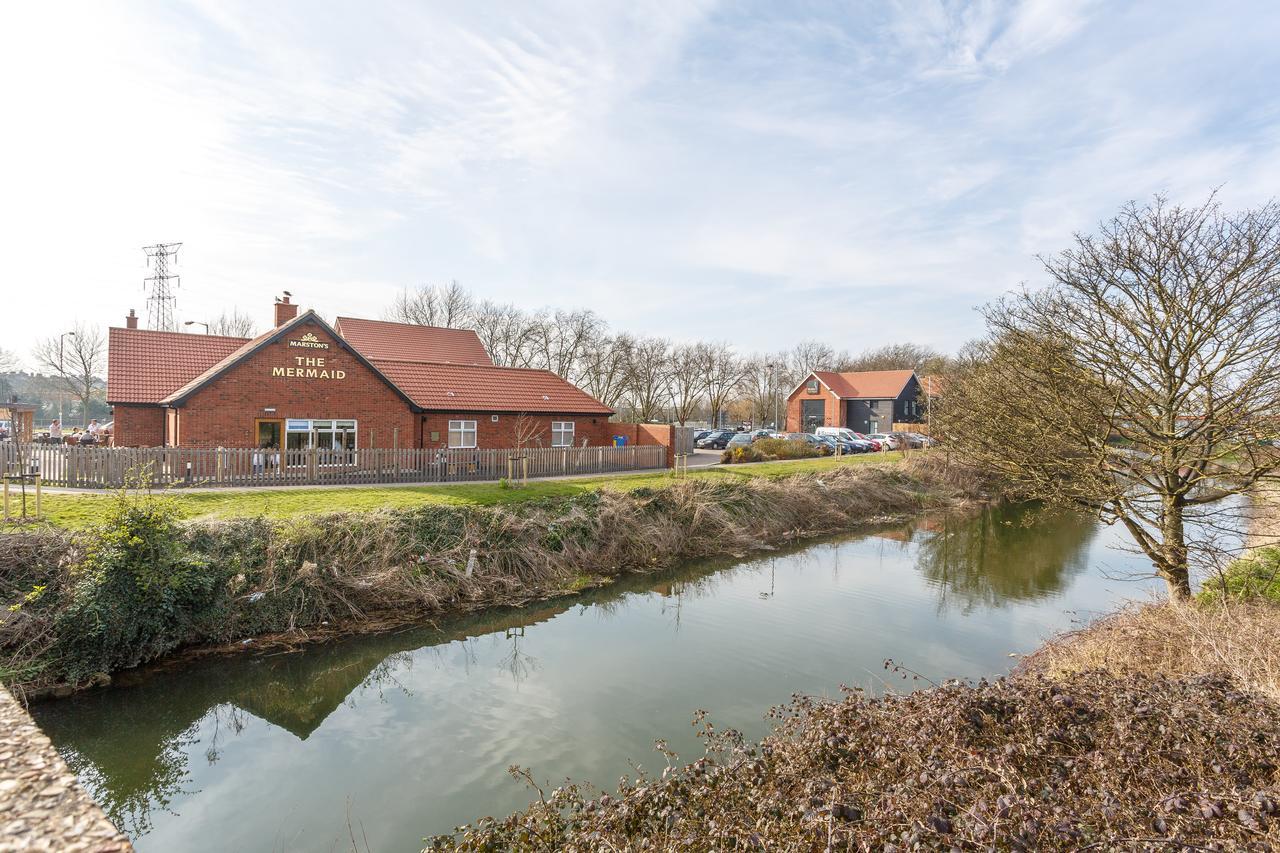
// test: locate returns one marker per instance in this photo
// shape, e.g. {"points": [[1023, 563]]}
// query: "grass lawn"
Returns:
{"points": [[81, 510]]}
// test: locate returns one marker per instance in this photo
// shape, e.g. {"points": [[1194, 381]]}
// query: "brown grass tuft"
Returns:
{"points": [[1241, 640]]}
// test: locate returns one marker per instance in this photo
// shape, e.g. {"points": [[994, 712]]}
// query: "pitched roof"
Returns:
{"points": [[933, 385], [867, 384], [485, 388], [145, 366], [382, 339], [262, 340]]}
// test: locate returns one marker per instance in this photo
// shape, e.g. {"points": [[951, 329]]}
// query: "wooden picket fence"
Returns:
{"points": [[115, 467]]}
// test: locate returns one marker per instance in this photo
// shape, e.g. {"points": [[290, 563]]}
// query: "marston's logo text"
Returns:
{"points": [[309, 341]]}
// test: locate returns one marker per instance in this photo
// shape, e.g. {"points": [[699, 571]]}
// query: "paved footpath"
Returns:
{"points": [[42, 806]]}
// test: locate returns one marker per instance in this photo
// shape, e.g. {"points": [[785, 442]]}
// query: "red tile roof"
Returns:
{"points": [[932, 385], [377, 339], [247, 346], [866, 385], [145, 366], [485, 388]]}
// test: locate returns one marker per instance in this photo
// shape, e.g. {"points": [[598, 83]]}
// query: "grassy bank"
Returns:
{"points": [[85, 603], [1240, 640], [78, 511]]}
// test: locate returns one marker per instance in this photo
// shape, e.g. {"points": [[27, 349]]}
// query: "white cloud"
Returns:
{"points": [[895, 165]]}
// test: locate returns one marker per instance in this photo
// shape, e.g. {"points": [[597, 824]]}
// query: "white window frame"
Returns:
{"points": [[462, 428], [562, 427]]}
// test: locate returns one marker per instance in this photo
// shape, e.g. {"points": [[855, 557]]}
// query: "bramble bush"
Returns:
{"points": [[137, 594], [1086, 763]]}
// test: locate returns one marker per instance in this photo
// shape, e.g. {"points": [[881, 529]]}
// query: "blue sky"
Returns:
{"points": [[760, 173]]}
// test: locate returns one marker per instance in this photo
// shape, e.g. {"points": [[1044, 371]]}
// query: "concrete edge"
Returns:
{"points": [[42, 805]]}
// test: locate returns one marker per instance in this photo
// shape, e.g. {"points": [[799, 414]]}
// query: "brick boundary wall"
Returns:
{"points": [[42, 806], [647, 435]]}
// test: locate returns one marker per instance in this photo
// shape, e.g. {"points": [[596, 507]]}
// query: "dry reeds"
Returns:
{"points": [[1241, 640]]}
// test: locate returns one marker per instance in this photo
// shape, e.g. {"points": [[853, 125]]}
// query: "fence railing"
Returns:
{"points": [[115, 467]]}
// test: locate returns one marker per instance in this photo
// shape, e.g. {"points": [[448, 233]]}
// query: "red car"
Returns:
{"points": [[875, 445]]}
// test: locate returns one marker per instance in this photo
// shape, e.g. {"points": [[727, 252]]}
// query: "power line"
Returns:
{"points": [[161, 300]]}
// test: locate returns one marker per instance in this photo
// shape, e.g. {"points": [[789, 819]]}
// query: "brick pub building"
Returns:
{"points": [[355, 384]]}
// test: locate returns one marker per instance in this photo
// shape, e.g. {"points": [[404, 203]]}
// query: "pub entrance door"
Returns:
{"points": [[270, 433]]}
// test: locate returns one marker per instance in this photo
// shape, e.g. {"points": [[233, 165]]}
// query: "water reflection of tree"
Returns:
{"points": [[516, 661], [130, 799], [1003, 554]]}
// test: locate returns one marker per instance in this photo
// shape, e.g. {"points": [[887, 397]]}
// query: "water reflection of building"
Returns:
{"points": [[132, 744]]}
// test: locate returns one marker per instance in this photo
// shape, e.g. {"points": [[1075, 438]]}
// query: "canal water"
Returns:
{"points": [[389, 738]]}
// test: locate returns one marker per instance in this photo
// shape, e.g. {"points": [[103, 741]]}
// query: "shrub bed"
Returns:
{"points": [[1088, 763], [82, 605], [770, 449]]}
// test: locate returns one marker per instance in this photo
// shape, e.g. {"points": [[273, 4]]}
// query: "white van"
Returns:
{"points": [[839, 433]]}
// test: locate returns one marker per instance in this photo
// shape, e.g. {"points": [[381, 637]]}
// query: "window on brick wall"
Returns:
{"points": [[462, 433], [562, 433]]}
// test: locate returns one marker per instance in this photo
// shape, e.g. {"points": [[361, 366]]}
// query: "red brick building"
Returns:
{"points": [[357, 383], [869, 401]]}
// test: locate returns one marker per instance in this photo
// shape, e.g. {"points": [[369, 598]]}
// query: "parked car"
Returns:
{"points": [[742, 439], [908, 439], [700, 434], [808, 438], [716, 440], [886, 439], [849, 441], [875, 445]]}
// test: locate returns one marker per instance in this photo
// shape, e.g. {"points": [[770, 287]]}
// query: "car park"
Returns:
{"points": [[908, 439], [809, 438], [849, 441], [875, 445], [886, 439], [742, 439], [701, 434], [716, 440]]}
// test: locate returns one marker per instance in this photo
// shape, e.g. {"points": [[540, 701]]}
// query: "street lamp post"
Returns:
{"points": [[62, 373], [197, 323], [773, 390]]}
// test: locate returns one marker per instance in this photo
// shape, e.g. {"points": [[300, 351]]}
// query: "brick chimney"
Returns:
{"points": [[285, 310], [131, 322]]}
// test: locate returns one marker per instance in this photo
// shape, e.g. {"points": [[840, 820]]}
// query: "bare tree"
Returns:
{"points": [[649, 377], [77, 361], [528, 431], [804, 358], [604, 369], [449, 305], [506, 332], [905, 356], [9, 362], [765, 385], [562, 340], [1143, 382], [724, 374], [688, 382], [233, 324]]}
